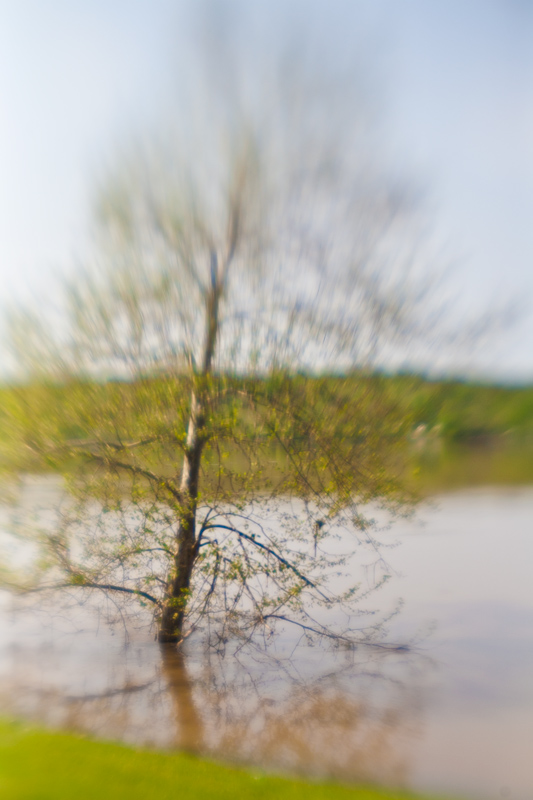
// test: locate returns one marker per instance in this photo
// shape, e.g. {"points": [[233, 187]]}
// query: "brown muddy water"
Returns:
{"points": [[453, 713]]}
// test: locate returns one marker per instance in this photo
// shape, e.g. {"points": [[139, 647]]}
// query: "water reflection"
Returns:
{"points": [[346, 716], [330, 724], [454, 716]]}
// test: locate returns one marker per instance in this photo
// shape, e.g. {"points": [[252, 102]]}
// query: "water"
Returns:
{"points": [[452, 714]]}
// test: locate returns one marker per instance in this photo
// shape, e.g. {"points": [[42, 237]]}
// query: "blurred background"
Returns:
{"points": [[448, 86], [443, 94]]}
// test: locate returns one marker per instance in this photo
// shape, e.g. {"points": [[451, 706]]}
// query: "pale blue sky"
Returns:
{"points": [[456, 79]]}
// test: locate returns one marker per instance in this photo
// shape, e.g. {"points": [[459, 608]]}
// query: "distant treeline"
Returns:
{"points": [[438, 434], [461, 410], [454, 410]]}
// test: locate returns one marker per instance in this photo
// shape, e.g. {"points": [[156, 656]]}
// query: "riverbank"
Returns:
{"points": [[36, 763]]}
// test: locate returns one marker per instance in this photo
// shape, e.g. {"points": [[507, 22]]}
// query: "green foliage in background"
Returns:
{"points": [[456, 412], [463, 410], [43, 426]]}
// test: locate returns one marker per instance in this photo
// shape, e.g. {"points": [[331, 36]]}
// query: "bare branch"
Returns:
{"points": [[273, 553], [83, 584], [134, 470], [109, 587], [75, 443], [339, 637]]}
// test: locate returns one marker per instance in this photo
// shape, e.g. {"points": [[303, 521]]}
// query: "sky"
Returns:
{"points": [[455, 86]]}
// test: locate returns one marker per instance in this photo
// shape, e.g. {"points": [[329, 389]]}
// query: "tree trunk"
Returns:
{"points": [[179, 580], [173, 614]]}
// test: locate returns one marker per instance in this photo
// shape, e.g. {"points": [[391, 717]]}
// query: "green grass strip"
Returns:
{"points": [[44, 765]]}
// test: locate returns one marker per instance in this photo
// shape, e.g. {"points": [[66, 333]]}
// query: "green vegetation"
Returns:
{"points": [[211, 458], [463, 411], [40, 765], [44, 425], [459, 433], [455, 413]]}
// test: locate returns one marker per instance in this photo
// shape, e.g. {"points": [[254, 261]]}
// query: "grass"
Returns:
{"points": [[42, 765]]}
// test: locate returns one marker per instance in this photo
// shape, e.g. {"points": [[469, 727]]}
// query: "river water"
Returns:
{"points": [[450, 713]]}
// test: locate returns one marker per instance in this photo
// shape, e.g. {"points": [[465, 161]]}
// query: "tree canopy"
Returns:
{"points": [[255, 243]]}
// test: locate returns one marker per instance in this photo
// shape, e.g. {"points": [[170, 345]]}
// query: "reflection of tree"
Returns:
{"points": [[328, 732], [343, 723], [190, 734], [350, 716]]}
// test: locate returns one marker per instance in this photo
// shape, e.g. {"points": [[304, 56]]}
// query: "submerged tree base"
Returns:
{"points": [[165, 637]]}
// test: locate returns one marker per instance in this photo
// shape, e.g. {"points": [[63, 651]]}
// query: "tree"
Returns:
{"points": [[236, 262]]}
